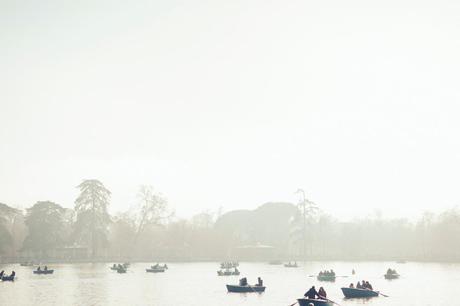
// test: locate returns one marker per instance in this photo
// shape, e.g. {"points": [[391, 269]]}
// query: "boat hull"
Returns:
{"points": [[8, 279], [358, 293], [241, 289], [221, 273], [154, 270], [315, 302], [44, 272], [323, 278]]}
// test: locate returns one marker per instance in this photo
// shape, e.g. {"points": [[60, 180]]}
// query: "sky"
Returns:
{"points": [[233, 103]]}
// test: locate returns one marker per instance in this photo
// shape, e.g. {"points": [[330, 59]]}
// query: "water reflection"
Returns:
{"points": [[198, 284]]}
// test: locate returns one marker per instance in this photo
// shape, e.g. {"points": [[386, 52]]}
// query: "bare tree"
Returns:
{"points": [[152, 209]]}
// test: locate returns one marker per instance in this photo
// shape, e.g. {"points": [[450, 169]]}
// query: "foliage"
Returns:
{"points": [[92, 217], [45, 222], [7, 215]]}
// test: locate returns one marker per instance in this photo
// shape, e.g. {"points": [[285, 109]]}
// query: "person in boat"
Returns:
{"points": [[358, 285], [39, 268], [363, 284], [322, 293], [332, 273], [244, 281], [353, 286], [13, 274], [311, 293], [1, 273], [369, 286], [260, 282], [46, 268]]}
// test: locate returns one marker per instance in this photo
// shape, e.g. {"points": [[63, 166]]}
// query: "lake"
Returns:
{"points": [[197, 284]]}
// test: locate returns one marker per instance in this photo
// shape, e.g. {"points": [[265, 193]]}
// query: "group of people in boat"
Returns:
{"points": [[329, 273], [313, 294], [229, 264], [44, 269], [119, 267], [391, 272], [244, 282], [2, 274], [362, 285], [158, 266]]}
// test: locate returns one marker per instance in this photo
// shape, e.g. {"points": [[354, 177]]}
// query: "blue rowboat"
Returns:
{"points": [[8, 279], [358, 293], [247, 288], [315, 302]]}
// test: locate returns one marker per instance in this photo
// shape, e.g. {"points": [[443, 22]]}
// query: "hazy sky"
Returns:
{"points": [[233, 103]]}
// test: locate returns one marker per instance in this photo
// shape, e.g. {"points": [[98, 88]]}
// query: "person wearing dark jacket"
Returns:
{"points": [[312, 293]]}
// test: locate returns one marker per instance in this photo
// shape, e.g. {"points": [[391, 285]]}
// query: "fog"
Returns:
{"points": [[224, 106]]}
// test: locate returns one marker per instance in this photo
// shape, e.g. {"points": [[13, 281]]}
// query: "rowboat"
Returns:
{"points": [[315, 302], [43, 271], [155, 270], [227, 273], [391, 276], [122, 270], [291, 265], [247, 288], [326, 278], [8, 278], [358, 293], [26, 264]]}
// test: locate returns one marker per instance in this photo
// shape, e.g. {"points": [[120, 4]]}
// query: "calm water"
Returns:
{"points": [[198, 284]]}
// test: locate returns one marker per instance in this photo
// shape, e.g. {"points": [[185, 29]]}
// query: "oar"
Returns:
{"points": [[382, 294], [293, 304], [333, 302]]}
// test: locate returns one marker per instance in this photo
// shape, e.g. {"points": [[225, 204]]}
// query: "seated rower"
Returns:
{"points": [[311, 293], [369, 286], [358, 285], [260, 282], [39, 268], [322, 293], [352, 286]]}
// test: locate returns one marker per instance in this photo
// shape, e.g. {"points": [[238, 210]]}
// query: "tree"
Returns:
{"points": [[152, 209], [91, 226], [45, 222], [7, 217]]}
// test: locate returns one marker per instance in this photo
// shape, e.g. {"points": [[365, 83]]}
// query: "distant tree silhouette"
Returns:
{"points": [[45, 223], [92, 220]]}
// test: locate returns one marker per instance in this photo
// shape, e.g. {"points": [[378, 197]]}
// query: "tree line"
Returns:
{"points": [[150, 231]]}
